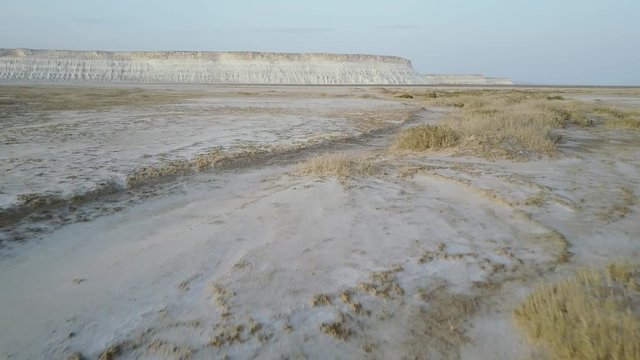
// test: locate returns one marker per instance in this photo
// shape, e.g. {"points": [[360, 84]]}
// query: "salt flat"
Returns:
{"points": [[424, 257]]}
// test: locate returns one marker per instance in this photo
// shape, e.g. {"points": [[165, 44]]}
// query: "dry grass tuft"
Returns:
{"points": [[320, 300], [355, 306], [425, 137], [535, 199], [383, 284], [337, 165], [594, 314], [111, 352], [337, 329], [227, 334]]}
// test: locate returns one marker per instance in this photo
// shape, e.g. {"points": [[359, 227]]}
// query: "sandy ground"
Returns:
{"points": [[426, 259]]}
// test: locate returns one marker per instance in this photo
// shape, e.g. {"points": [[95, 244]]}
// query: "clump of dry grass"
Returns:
{"points": [[383, 284], [320, 300], [593, 315], [356, 307], [424, 137], [111, 352], [338, 165], [535, 199], [337, 329]]}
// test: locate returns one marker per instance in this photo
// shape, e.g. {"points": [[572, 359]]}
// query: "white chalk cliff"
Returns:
{"points": [[25, 65]]}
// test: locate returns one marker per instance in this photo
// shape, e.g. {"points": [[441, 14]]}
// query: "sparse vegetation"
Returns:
{"points": [[498, 123], [320, 300], [424, 137], [383, 284], [17, 99], [535, 199], [627, 123], [443, 322], [619, 119], [337, 329], [620, 207], [338, 165], [594, 314], [111, 352], [170, 350]]}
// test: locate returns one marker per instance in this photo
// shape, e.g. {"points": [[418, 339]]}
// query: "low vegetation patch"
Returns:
{"points": [[595, 314], [619, 119], [337, 329], [502, 123], [628, 123], [17, 99], [425, 137], [338, 165]]}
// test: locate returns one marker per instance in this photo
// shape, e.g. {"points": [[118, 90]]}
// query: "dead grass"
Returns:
{"points": [[425, 137], [442, 324], [18, 99], [356, 307], [337, 165], [337, 329], [111, 352], [169, 350], [383, 284], [594, 314], [498, 123], [620, 207], [320, 300], [628, 123], [618, 118], [536, 200]]}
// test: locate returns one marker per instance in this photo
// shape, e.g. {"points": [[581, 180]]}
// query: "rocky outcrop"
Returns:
{"points": [[24, 65]]}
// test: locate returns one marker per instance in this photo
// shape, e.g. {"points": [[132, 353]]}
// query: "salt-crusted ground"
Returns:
{"points": [[424, 259]]}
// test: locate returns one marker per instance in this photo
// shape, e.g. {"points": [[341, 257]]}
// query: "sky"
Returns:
{"points": [[585, 42]]}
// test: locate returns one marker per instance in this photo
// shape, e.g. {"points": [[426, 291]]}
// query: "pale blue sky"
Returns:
{"points": [[543, 41]]}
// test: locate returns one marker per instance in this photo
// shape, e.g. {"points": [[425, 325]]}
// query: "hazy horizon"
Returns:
{"points": [[575, 42]]}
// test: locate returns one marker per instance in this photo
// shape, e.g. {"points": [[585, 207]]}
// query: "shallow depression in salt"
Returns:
{"points": [[66, 153]]}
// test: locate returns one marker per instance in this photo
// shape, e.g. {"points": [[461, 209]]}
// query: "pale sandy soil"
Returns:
{"points": [[424, 259]]}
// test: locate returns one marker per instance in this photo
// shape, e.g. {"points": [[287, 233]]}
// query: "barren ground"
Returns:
{"points": [[245, 257]]}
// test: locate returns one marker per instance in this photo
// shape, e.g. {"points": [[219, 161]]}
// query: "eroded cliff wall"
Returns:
{"points": [[24, 65], [203, 67]]}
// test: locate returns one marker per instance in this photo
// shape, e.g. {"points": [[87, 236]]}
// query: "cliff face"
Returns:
{"points": [[203, 67], [23, 65]]}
